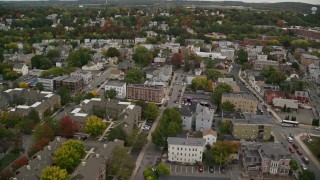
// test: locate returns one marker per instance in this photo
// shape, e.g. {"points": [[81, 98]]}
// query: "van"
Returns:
{"points": [[290, 140], [305, 160]]}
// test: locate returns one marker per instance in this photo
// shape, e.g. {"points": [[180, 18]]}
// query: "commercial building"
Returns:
{"points": [[73, 83], [85, 75], [185, 150], [243, 101], [146, 92], [47, 82], [120, 87], [251, 128]]}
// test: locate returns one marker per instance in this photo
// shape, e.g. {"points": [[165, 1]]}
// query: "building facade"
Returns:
{"points": [[73, 83], [150, 93], [250, 129], [120, 87], [307, 59], [185, 150], [204, 118], [243, 101]]}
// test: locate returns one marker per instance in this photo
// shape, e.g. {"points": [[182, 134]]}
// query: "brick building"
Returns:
{"points": [[146, 92], [269, 95]]}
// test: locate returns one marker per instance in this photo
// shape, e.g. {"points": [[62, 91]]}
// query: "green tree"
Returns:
{"points": [[293, 165], [69, 155], [142, 56], [94, 125], [53, 53], [39, 86], [99, 112], [34, 116], [110, 93], [54, 173], [222, 150], [78, 58], [40, 62], [136, 139], [199, 83], [65, 95], [151, 111], [227, 106], [307, 175], [116, 133], [242, 57], [112, 52], [121, 163], [218, 91], [162, 169], [42, 131], [225, 127], [213, 74], [315, 122], [149, 173], [273, 76], [134, 76], [295, 65]]}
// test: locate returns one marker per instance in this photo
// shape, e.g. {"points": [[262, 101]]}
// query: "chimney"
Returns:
{"points": [[58, 139], [39, 157], [108, 99], [97, 155], [49, 148], [28, 167]]}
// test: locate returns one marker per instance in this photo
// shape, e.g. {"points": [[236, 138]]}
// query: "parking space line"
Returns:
{"points": [[181, 169], [192, 169], [186, 169], [175, 169]]}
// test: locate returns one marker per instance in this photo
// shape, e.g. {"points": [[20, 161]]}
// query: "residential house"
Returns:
{"points": [[231, 82], [85, 75], [251, 128], [257, 82], [35, 72], [115, 74], [187, 117], [228, 52], [301, 96], [307, 59], [140, 40], [41, 160], [120, 87], [270, 94], [93, 66], [185, 150], [162, 74], [125, 65], [204, 118], [288, 103], [260, 64], [243, 101], [193, 41], [266, 87], [146, 92], [264, 158], [210, 136], [159, 61], [21, 69]]}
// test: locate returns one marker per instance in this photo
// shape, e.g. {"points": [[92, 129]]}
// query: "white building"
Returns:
{"points": [[185, 150], [120, 87], [210, 136], [204, 118], [86, 75], [21, 69], [47, 82], [187, 117]]}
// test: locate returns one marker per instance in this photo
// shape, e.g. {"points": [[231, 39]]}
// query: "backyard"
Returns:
{"points": [[313, 146]]}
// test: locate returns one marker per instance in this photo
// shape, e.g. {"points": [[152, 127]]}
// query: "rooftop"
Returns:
{"points": [[73, 79], [239, 95], [309, 56], [115, 83], [186, 141]]}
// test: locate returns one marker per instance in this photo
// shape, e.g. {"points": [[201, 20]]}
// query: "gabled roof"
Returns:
{"points": [[209, 132]]}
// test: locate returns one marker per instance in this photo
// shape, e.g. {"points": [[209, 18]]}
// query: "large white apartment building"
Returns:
{"points": [[120, 87], [185, 150]]}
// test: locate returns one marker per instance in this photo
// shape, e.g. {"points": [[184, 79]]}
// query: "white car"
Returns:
{"points": [[318, 128]]}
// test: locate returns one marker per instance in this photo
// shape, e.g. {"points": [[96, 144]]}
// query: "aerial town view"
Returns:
{"points": [[159, 90]]}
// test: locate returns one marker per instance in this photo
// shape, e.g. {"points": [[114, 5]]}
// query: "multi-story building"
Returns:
{"points": [[266, 158], [185, 150], [204, 117], [260, 64], [250, 128], [47, 82], [187, 117], [243, 101], [120, 87], [85, 75], [146, 92], [307, 59], [73, 83]]}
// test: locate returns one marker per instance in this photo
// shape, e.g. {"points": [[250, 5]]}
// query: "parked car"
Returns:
{"points": [[295, 146], [222, 169], [304, 167], [200, 168], [291, 150], [211, 169], [318, 128], [305, 160], [299, 152]]}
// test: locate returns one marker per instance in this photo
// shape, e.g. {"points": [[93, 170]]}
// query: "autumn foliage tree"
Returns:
{"points": [[23, 160], [67, 127], [176, 59], [38, 146], [42, 131], [94, 125], [53, 173]]}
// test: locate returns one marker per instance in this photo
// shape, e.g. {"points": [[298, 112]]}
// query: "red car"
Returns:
{"points": [[291, 150], [295, 146], [200, 168], [298, 152]]}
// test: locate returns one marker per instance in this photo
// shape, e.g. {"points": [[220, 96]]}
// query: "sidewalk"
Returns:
{"points": [[298, 138]]}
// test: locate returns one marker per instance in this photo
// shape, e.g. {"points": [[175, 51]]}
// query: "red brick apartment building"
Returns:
{"points": [[146, 92]]}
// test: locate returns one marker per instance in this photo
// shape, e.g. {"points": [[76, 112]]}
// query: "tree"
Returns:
{"points": [[54, 173], [65, 95], [94, 125], [42, 131], [23, 84], [176, 59], [121, 163], [38, 146], [227, 106], [112, 52], [134, 76], [295, 65], [225, 127], [222, 150], [315, 122], [151, 111], [39, 86], [213, 74], [53, 53], [273, 76], [307, 175], [142, 56], [293, 165], [242, 57], [69, 155], [40, 62], [34, 116], [99, 112], [136, 139], [149, 173], [47, 112], [23, 160], [110, 93], [199, 83], [67, 127], [218, 91], [78, 58], [116, 133], [162, 169]]}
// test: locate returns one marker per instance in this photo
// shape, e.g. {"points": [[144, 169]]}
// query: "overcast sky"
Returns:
{"points": [[255, 1]]}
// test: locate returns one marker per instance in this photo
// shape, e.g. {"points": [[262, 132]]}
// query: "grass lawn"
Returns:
{"points": [[8, 159], [314, 146]]}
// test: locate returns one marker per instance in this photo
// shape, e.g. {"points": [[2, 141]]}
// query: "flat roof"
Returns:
{"points": [[115, 83], [239, 95], [76, 110], [23, 107], [49, 95], [80, 114], [186, 141], [36, 104]]}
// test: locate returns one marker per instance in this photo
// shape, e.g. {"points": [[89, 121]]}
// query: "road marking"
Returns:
{"points": [[175, 169], [181, 169], [192, 169]]}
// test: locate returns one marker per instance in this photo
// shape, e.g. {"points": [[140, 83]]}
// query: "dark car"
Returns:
{"points": [[291, 150], [200, 168], [295, 146], [211, 169], [299, 152], [223, 169]]}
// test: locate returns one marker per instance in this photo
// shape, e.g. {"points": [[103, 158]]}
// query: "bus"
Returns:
{"points": [[288, 123]]}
